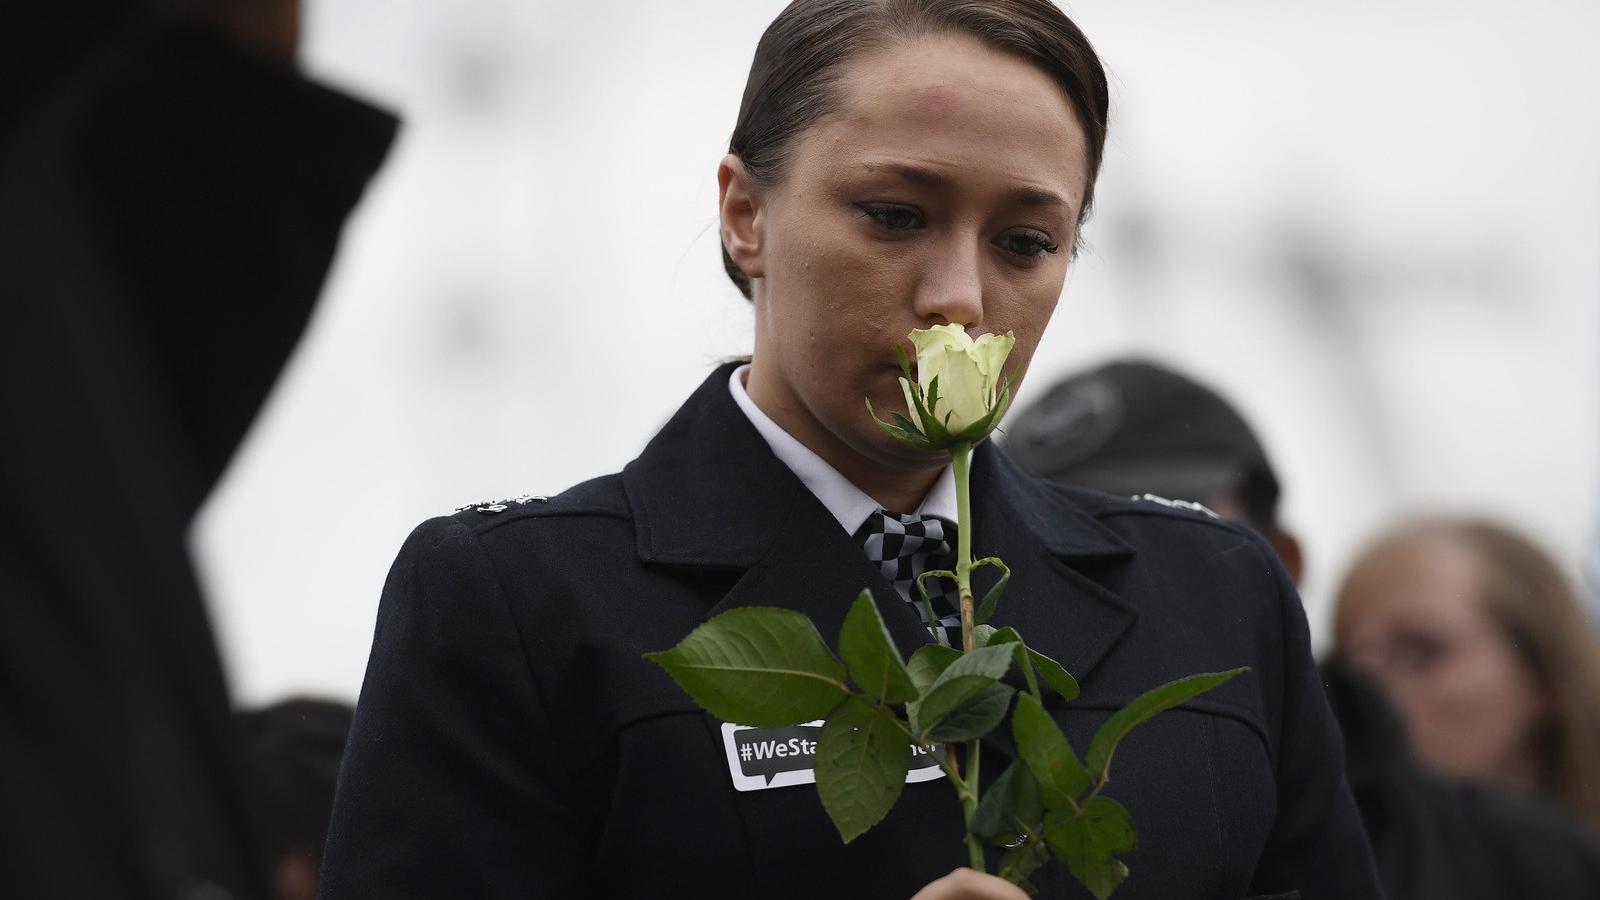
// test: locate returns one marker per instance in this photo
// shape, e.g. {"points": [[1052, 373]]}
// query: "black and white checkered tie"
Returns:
{"points": [[906, 545]]}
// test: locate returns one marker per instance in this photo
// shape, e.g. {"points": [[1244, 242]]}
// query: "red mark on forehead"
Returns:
{"points": [[947, 102], [937, 98]]}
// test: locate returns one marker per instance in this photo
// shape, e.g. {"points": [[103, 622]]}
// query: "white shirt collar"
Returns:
{"points": [[846, 501]]}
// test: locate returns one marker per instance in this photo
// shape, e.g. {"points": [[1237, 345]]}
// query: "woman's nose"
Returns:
{"points": [[951, 289]]}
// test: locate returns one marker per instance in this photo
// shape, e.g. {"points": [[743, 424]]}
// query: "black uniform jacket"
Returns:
{"points": [[510, 741]]}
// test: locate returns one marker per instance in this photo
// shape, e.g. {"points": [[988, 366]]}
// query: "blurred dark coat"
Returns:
{"points": [[168, 210], [1437, 838], [511, 742]]}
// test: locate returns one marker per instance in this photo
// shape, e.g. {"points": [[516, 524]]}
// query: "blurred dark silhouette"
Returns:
{"points": [[171, 194], [1480, 640], [1439, 838], [1133, 428], [291, 753]]}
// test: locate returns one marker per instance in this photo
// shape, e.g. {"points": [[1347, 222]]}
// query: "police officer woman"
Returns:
{"points": [[896, 164]]}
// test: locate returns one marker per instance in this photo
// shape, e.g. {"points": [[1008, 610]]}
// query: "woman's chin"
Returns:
{"points": [[884, 449]]}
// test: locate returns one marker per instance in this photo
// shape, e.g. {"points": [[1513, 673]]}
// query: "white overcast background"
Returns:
{"points": [[1375, 226]]}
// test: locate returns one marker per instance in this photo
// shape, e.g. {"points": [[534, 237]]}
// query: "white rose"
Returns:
{"points": [[968, 400]]}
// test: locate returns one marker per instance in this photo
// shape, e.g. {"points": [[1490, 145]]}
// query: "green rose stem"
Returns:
{"points": [[961, 466]]}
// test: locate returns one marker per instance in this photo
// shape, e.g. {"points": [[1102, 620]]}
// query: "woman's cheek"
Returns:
{"points": [[868, 282], [1420, 699], [1029, 331]]}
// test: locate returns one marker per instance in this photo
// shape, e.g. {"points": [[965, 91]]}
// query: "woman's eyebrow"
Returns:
{"points": [[924, 177]]}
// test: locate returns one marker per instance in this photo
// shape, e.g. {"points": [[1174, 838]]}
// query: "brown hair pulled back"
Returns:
{"points": [[803, 53]]}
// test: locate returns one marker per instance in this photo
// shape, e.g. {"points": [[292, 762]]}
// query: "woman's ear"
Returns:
{"points": [[740, 208]]}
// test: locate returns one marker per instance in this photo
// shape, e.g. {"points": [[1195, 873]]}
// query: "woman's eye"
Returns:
{"points": [[1417, 653], [894, 218], [1029, 244]]}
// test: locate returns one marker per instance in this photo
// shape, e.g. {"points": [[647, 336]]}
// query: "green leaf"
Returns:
{"points": [[941, 700], [905, 360], [1029, 660], [758, 666], [975, 717], [904, 423], [931, 427], [870, 655], [1086, 839], [899, 433], [928, 662], [861, 762], [1023, 860], [991, 597], [909, 438], [985, 635], [1008, 635], [1049, 756], [989, 662], [1013, 796], [922, 584], [1055, 674], [964, 679], [1142, 709]]}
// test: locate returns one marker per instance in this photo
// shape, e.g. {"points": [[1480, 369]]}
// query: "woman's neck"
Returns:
{"points": [[895, 485], [896, 490]]}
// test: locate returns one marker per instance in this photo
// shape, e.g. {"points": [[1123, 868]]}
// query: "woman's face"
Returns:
{"points": [[1413, 620], [945, 188]]}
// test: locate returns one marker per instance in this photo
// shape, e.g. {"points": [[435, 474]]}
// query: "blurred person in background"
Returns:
{"points": [[291, 751], [171, 194], [1134, 428], [1480, 640], [1443, 838], [1131, 427]]}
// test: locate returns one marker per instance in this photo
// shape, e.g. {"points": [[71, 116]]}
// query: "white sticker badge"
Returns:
{"points": [[763, 758]]}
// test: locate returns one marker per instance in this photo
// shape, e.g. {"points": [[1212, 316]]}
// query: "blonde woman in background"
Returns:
{"points": [[1481, 643]]}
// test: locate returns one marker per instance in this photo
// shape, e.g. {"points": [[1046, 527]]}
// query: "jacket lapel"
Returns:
{"points": [[814, 567], [708, 492], [1054, 551]]}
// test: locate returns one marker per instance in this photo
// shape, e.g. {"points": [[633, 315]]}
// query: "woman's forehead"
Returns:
{"points": [[1421, 576], [953, 102]]}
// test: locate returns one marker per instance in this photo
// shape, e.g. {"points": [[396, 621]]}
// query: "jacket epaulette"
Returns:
{"points": [[495, 507], [598, 496], [1104, 507], [1176, 504]]}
